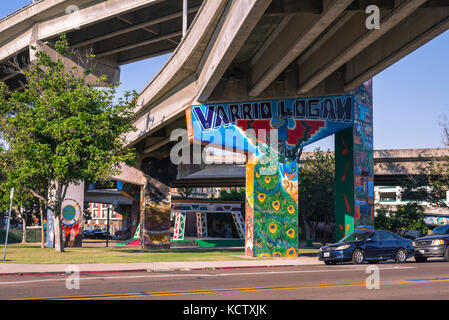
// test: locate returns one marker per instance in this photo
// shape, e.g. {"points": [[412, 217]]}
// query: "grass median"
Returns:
{"points": [[30, 254]]}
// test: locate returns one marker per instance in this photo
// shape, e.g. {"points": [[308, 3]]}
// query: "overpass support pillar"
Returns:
{"points": [[271, 214], [354, 167], [155, 203], [71, 218]]}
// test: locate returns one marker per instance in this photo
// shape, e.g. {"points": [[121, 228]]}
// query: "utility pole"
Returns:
{"points": [[184, 18], [107, 229], [9, 222]]}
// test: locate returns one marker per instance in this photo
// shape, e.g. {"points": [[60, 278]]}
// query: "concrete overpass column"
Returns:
{"points": [[354, 167], [155, 202], [271, 222], [71, 218]]}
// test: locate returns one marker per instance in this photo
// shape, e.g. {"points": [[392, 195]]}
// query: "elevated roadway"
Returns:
{"points": [[233, 51], [391, 168]]}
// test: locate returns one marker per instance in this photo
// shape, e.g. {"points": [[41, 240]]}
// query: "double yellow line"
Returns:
{"points": [[251, 289]]}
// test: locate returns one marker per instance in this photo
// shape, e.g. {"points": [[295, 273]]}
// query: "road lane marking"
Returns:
{"points": [[205, 274], [249, 289]]}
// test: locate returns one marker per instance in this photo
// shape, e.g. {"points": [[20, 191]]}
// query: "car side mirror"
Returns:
{"points": [[369, 239]]}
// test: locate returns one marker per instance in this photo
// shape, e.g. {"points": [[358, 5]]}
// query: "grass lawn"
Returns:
{"points": [[30, 253]]}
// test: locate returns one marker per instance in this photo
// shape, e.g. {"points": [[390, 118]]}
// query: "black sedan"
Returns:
{"points": [[367, 244], [92, 234], [433, 245]]}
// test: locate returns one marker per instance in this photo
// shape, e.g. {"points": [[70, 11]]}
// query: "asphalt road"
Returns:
{"points": [[410, 280]]}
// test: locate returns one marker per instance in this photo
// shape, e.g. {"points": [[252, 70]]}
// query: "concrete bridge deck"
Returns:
{"points": [[233, 50], [391, 167]]}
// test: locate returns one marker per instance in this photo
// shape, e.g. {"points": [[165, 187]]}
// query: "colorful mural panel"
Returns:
{"points": [[71, 213], [363, 155], [201, 208], [436, 220], [275, 208], [344, 183], [156, 226], [354, 167], [272, 132], [297, 122]]}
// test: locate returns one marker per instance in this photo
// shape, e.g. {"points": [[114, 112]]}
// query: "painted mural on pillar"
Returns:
{"points": [[354, 167], [297, 122], [272, 132], [363, 155], [70, 222], [344, 183], [156, 227], [154, 223]]}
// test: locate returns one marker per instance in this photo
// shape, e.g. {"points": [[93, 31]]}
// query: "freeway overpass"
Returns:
{"points": [[233, 50], [391, 168]]}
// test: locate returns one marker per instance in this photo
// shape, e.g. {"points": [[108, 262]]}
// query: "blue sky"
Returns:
{"points": [[409, 96]]}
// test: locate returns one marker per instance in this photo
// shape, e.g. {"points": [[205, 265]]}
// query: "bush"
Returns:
{"points": [[409, 217]]}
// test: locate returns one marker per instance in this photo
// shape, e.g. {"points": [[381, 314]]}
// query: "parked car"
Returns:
{"points": [[367, 244], [433, 245], [104, 235], [92, 234]]}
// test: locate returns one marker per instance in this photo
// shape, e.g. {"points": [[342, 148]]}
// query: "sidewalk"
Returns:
{"points": [[47, 269]]}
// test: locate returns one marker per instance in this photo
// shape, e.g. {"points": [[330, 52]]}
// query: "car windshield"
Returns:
{"points": [[440, 230], [357, 236]]}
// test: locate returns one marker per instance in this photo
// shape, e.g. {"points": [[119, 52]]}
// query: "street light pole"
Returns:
{"points": [[184, 18], [107, 229], [9, 222]]}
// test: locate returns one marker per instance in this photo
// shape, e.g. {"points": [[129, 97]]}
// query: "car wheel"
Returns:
{"points": [[357, 256], [401, 256], [420, 259], [329, 262], [446, 254]]}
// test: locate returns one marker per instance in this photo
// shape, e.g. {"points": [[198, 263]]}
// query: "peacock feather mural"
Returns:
{"points": [[275, 209]]}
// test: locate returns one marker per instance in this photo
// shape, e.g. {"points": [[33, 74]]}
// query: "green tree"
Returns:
{"points": [[25, 205], [316, 190], [61, 130], [429, 185], [234, 194], [409, 217]]}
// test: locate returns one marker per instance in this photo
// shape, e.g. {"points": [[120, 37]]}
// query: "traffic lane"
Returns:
{"points": [[48, 286], [266, 283]]}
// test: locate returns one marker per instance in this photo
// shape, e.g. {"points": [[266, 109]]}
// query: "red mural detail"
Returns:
{"points": [[357, 212], [345, 149], [348, 207], [342, 229], [255, 125], [293, 135], [297, 133], [344, 176]]}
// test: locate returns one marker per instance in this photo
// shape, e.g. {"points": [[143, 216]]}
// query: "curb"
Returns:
{"points": [[48, 273], [154, 270]]}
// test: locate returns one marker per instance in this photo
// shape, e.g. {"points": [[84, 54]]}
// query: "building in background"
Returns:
{"points": [[197, 193], [389, 197], [99, 214]]}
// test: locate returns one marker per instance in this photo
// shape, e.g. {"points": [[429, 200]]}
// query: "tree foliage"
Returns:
{"points": [[234, 194], [409, 217], [61, 130], [316, 189], [429, 185]]}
